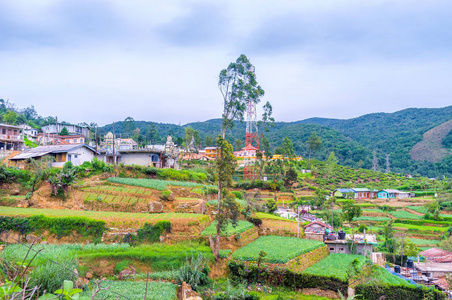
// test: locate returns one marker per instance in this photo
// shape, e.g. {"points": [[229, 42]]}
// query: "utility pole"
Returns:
{"points": [[56, 125], [387, 164], [375, 162], [114, 157]]}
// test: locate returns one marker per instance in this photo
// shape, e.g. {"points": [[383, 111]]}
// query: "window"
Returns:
{"points": [[75, 156], [3, 131], [69, 157], [331, 249]]}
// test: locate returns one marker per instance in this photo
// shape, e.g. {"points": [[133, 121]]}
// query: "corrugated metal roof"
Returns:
{"points": [[361, 190], [345, 190], [43, 150]]}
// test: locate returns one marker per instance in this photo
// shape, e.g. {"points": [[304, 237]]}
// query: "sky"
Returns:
{"points": [[102, 61]]}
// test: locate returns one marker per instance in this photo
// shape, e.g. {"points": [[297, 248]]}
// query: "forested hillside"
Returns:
{"points": [[352, 140]]}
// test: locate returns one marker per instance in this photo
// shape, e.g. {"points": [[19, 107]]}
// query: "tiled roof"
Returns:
{"points": [[437, 255], [319, 223]]}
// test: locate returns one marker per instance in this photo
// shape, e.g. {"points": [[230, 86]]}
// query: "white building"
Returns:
{"points": [[77, 154], [72, 129]]}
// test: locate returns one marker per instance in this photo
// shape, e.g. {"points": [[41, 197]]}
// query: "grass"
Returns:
{"points": [[160, 257], [111, 218], [382, 276], [242, 226], [420, 209], [279, 249], [215, 202], [336, 265], [272, 217], [136, 290], [420, 227], [422, 242], [367, 218], [401, 214], [155, 184]]}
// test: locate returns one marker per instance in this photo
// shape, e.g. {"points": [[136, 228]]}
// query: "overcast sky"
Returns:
{"points": [[102, 61]]}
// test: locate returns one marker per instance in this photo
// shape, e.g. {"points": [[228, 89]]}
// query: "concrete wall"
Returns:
{"points": [[361, 249], [142, 159], [80, 155]]}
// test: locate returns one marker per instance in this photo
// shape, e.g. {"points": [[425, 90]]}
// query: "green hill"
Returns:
{"points": [[352, 140]]}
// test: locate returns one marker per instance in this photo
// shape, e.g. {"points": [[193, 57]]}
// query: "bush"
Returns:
{"points": [[255, 221], [50, 276], [271, 205], [58, 226], [151, 233], [238, 195], [195, 272], [391, 292]]}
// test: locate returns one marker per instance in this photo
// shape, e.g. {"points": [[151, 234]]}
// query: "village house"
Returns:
{"points": [[247, 151], [364, 244], [392, 194], [211, 152], [72, 129], [54, 139], [436, 255], [30, 132], [77, 154], [316, 230], [11, 137]]}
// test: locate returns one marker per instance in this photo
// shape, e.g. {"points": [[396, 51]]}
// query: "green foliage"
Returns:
{"points": [[238, 201], [242, 226], [165, 195], [115, 218], [280, 249], [151, 233], [67, 292], [152, 183], [337, 265], [401, 214], [176, 175], [195, 272], [271, 205], [351, 211], [123, 264], [59, 226], [238, 195], [158, 256], [64, 131], [136, 290], [50, 276]]}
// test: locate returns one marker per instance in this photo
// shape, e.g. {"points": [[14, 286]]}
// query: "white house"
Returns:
{"points": [[77, 154], [72, 129]]}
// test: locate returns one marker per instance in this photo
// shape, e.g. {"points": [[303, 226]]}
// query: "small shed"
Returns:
{"points": [[317, 227]]}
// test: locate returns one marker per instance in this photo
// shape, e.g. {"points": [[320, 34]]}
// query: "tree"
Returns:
{"points": [[128, 125], [238, 144], [314, 143], [21, 119], [351, 211], [433, 208], [64, 131], [271, 205], [227, 209], [390, 243], [10, 117], [331, 164], [208, 141], [30, 113], [152, 135], [238, 85], [287, 147], [291, 177], [267, 121]]}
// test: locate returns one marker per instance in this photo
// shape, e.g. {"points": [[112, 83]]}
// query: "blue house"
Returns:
{"points": [[388, 194]]}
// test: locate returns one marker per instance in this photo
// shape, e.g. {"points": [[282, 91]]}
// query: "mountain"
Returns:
{"points": [[352, 140]]}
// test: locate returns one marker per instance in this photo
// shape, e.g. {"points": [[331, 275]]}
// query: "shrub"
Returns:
{"points": [[256, 221], [151, 233], [271, 205], [238, 195], [195, 272]]}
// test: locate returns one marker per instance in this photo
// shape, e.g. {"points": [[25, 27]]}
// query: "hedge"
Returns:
{"points": [[281, 277], [374, 291], [59, 226]]}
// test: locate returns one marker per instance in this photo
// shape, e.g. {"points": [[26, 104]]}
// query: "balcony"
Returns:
{"points": [[11, 138]]}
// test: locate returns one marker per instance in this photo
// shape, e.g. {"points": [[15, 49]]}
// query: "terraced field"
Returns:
{"points": [[119, 219]]}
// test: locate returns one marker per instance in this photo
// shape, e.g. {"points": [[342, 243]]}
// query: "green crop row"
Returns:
{"points": [[242, 226], [215, 202], [367, 218], [119, 189], [337, 265], [112, 199], [136, 290], [114, 218], [279, 249], [261, 215], [154, 184], [422, 242], [401, 214], [420, 227]]}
